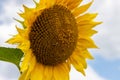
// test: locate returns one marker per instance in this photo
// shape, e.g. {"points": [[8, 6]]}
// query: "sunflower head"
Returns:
{"points": [[55, 34]]}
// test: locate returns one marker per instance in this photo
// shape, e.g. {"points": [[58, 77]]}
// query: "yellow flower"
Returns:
{"points": [[55, 34]]}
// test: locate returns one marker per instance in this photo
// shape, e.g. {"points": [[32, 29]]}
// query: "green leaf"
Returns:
{"points": [[12, 55]]}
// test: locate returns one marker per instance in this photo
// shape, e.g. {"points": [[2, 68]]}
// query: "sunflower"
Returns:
{"points": [[55, 35]]}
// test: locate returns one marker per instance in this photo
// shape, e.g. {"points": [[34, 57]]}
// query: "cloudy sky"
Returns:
{"points": [[105, 66]]}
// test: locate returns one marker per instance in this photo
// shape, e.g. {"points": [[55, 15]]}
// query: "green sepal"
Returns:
{"points": [[12, 55]]}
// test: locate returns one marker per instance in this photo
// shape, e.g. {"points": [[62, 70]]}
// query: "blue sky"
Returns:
{"points": [[105, 66]]}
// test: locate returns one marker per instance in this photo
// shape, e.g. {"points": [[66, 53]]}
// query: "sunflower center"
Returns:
{"points": [[53, 35]]}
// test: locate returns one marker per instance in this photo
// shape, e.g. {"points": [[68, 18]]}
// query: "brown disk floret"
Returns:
{"points": [[53, 35]]}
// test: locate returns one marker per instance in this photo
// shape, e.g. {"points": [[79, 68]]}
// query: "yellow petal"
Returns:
{"points": [[26, 9], [26, 67], [20, 31], [44, 4], [15, 39], [87, 54], [31, 67], [58, 1], [20, 21], [79, 59], [77, 65], [37, 72], [83, 52], [86, 17], [24, 46], [48, 69], [82, 9], [65, 3], [23, 75], [61, 72], [41, 5], [86, 43], [35, 2], [25, 63], [50, 3], [73, 4], [29, 16], [86, 33], [22, 15], [62, 2], [86, 25]]}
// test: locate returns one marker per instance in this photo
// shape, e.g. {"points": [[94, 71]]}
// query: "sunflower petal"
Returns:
{"points": [[86, 17], [23, 75], [83, 52], [41, 5], [20, 31], [61, 72], [79, 59], [26, 74], [86, 43], [37, 72], [77, 65], [58, 1], [73, 4], [82, 9], [50, 3], [48, 69], [61, 2], [65, 2], [87, 54], [31, 67], [86, 33], [15, 39], [25, 63], [86, 25], [22, 22], [35, 2], [24, 46], [26, 9]]}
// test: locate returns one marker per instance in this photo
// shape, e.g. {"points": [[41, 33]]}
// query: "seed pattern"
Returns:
{"points": [[53, 35]]}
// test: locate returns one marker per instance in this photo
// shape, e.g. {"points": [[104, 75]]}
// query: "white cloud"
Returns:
{"points": [[8, 71], [6, 78], [9, 12], [3, 78], [90, 75], [108, 38], [7, 28], [6, 31]]}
